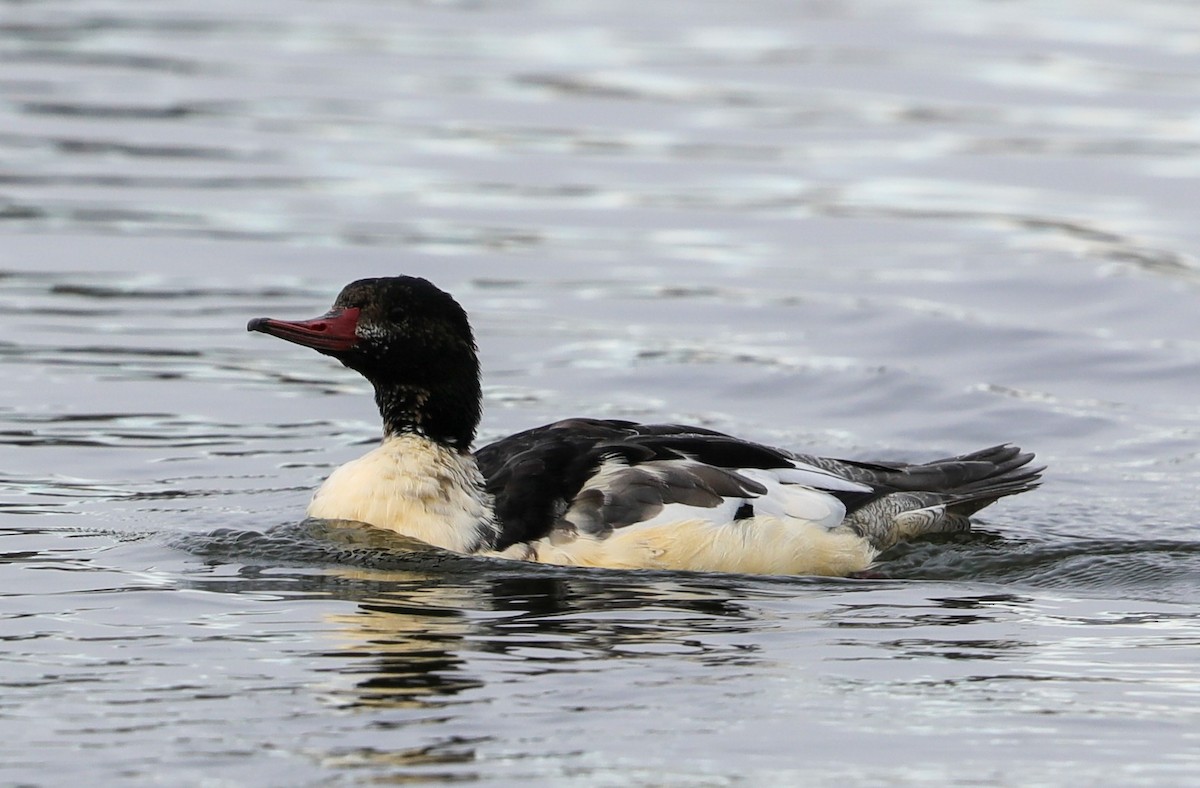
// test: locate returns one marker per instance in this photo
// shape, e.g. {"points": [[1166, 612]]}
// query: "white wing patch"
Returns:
{"points": [[659, 493], [812, 476], [793, 500]]}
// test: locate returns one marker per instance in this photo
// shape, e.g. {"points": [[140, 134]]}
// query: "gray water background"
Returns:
{"points": [[855, 227]]}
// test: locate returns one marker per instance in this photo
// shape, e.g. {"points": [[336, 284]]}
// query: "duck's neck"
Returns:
{"points": [[447, 416], [415, 486]]}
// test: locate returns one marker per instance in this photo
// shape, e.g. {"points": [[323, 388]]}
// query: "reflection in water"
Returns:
{"points": [[411, 640], [448, 751], [884, 617], [433, 649], [943, 617], [402, 654]]}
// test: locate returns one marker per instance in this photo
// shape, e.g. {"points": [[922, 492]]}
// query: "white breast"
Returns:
{"points": [[413, 486]]}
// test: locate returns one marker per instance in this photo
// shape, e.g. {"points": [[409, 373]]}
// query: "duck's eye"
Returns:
{"points": [[397, 314]]}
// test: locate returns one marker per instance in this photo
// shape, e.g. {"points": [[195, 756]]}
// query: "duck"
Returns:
{"points": [[608, 493]]}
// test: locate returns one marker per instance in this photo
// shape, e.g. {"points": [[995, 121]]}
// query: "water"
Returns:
{"points": [[866, 229]]}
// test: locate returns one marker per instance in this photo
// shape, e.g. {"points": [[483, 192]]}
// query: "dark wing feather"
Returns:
{"points": [[536, 475], [636, 494], [532, 476]]}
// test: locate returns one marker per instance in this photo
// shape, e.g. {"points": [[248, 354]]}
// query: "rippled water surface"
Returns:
{"points": [[867, 229]]}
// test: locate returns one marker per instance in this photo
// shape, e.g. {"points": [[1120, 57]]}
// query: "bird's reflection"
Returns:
{"points": [[454, 752], [951, 619], [426, 628], [416, 640]]}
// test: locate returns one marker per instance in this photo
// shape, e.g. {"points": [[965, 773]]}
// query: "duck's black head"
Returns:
{"points": [[412, 341]]}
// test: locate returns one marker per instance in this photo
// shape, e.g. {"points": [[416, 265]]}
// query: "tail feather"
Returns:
{"points": [[966, 472], [940, 496]]}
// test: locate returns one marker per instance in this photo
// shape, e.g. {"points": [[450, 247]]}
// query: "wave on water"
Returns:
{"points": [[1152, 567], [1155, 568]]}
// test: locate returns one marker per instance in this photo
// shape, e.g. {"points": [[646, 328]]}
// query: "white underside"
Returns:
{"points": [[758, 545]]}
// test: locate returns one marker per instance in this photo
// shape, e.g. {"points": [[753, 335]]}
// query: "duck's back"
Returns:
{"points": [[590, 481]]}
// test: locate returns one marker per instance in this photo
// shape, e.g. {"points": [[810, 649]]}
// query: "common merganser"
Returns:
{"points": [[603, 492]]}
